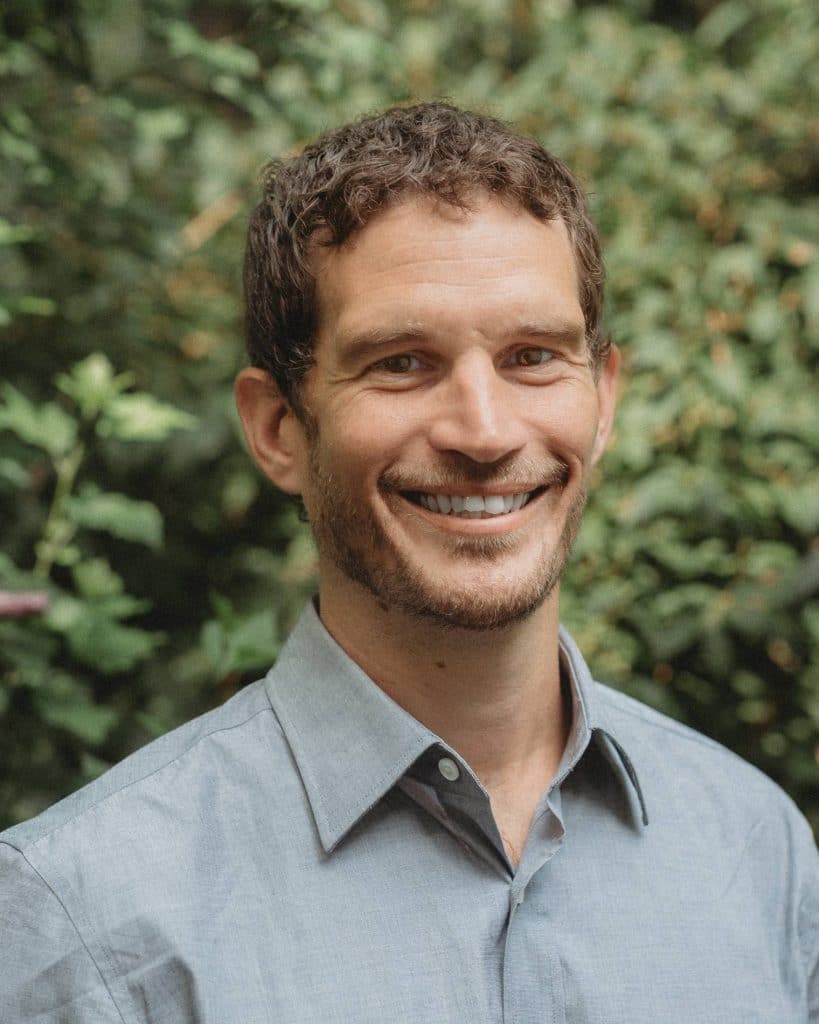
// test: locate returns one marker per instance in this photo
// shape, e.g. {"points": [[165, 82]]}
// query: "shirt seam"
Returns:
{"points": [[35, 843], [805, 931], [73, 923], [677, 728]]}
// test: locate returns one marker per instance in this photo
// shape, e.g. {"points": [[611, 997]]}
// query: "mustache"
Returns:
{"points": [[459, 471]]}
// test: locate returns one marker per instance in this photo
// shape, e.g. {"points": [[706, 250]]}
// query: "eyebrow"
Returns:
{"points": [[363, 345], [565, 330]]}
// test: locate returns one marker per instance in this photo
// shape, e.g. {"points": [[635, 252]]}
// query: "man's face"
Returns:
{"points": [[453, 413]]}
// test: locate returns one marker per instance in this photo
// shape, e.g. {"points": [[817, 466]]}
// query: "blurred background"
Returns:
{"points": [[131, 136]]}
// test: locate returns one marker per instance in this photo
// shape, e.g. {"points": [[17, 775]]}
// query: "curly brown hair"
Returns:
{"points": [[335, 186]]}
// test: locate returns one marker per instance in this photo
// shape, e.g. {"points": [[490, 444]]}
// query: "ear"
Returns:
{"points": [[274, 433], [607, 401]]}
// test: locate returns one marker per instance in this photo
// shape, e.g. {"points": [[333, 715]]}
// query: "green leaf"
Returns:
{"points": [[11, 234], [800, 506], [96, 639], [141, 417], [45, 426], [92, 767], [122, 606], [96, 578], [239, 643], [11, 472], [723, 21], [64, 702], [35, 305], [89, 722], [114, 38], [92, 383], [109, 646], [185, 41], [117, 514]]}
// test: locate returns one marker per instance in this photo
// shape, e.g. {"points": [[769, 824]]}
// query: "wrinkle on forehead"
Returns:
{"points": [[390, 254], [432, 209]]}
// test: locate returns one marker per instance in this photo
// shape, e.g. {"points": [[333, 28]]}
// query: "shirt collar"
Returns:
{"points": [[352, 743], [591, 721]]}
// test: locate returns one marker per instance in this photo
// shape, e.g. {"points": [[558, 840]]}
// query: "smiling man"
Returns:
{"points": [[428, 810]]}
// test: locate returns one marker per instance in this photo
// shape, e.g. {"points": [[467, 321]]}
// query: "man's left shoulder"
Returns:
{"points": [[682, 768]]}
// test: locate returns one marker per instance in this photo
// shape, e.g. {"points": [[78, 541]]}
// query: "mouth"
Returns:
{"points": [[472, 506]]}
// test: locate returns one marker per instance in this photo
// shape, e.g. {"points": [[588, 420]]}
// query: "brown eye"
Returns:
{"points": [[533, 356], [398, 364]]}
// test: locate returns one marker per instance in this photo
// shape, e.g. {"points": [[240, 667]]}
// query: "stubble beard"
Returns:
{"points": [[347, 534]]}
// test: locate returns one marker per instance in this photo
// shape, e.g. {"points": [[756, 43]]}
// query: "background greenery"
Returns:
{"points": [[131, 135]]}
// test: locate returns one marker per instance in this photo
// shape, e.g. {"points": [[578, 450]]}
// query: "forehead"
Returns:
{"points": [[425, 260]]}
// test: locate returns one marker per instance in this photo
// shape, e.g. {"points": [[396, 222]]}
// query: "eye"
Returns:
{"points": [[402, 363], [532, 356]]}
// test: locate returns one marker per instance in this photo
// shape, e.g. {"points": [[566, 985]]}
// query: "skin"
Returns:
{"points": [[451, 358]]}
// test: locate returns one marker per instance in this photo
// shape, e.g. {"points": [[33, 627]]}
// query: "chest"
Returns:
{"points": [[423, 935]]}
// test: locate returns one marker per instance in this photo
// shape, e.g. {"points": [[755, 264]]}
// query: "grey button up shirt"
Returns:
{"points": [[311, 854]]}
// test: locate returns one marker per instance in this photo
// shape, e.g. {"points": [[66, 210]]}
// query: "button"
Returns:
{"points": [[449, 770]]}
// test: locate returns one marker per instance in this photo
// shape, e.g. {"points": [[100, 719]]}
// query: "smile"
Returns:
{"points": [[472, 506]]}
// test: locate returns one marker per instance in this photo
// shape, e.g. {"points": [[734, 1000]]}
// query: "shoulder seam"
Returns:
{"points": [[142, 778], [659, 719], [73, 924]]}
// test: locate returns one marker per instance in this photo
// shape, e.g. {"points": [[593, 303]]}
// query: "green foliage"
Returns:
{"points": [[236, 642], [50, 666], [130, 137]]}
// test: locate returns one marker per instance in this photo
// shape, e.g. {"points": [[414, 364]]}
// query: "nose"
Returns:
{"points": [[477, 412]]}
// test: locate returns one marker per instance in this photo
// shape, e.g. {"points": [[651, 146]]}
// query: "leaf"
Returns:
{"points": [[12, 473], [64, 702], [109, 646], [96, 578], [239, 643], [122, 606], [89, 722], [96, 639], [114, 37], [35, 305], [141, 417], [723, 21], [45, 426], [185, 41], [800, 506], [11, 234], [117, 514], [92, 383], [92, 767]]}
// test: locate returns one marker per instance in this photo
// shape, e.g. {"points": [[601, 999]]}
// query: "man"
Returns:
{"points": [[427, 811]]}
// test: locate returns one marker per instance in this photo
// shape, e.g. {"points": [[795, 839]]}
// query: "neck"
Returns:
{"points": [[494, 696]]}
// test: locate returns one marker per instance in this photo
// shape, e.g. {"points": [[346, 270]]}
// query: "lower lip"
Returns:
{"points": [[478, 527]]}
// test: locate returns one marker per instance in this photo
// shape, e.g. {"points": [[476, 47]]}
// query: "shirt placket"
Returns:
{"points": [[533, 989], [532, 974]]}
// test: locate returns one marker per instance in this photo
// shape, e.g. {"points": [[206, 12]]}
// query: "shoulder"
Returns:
{"points": [[645, 725], [170, 770], [667, 746], [690, 780]]}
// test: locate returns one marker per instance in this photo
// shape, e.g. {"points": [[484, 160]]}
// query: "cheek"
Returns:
{"points": [[341, 470], [571, 421], [376, 434]]}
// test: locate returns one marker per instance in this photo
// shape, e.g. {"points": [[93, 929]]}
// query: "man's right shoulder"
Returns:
{"points": [[241, 729]]}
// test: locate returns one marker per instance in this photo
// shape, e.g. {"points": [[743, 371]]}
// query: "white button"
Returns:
{"points": [[449, 770]]}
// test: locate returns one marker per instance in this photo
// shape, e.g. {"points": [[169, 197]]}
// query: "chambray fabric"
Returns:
{"points": [[300, 855]]}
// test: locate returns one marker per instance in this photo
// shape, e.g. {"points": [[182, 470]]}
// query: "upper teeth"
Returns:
{"points": [[473, 505]]}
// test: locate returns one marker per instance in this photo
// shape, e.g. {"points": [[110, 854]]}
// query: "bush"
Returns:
{"points": [[131, 136]]}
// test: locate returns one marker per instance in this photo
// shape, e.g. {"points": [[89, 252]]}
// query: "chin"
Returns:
{"points": [[476, 604], [483, 617]]}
